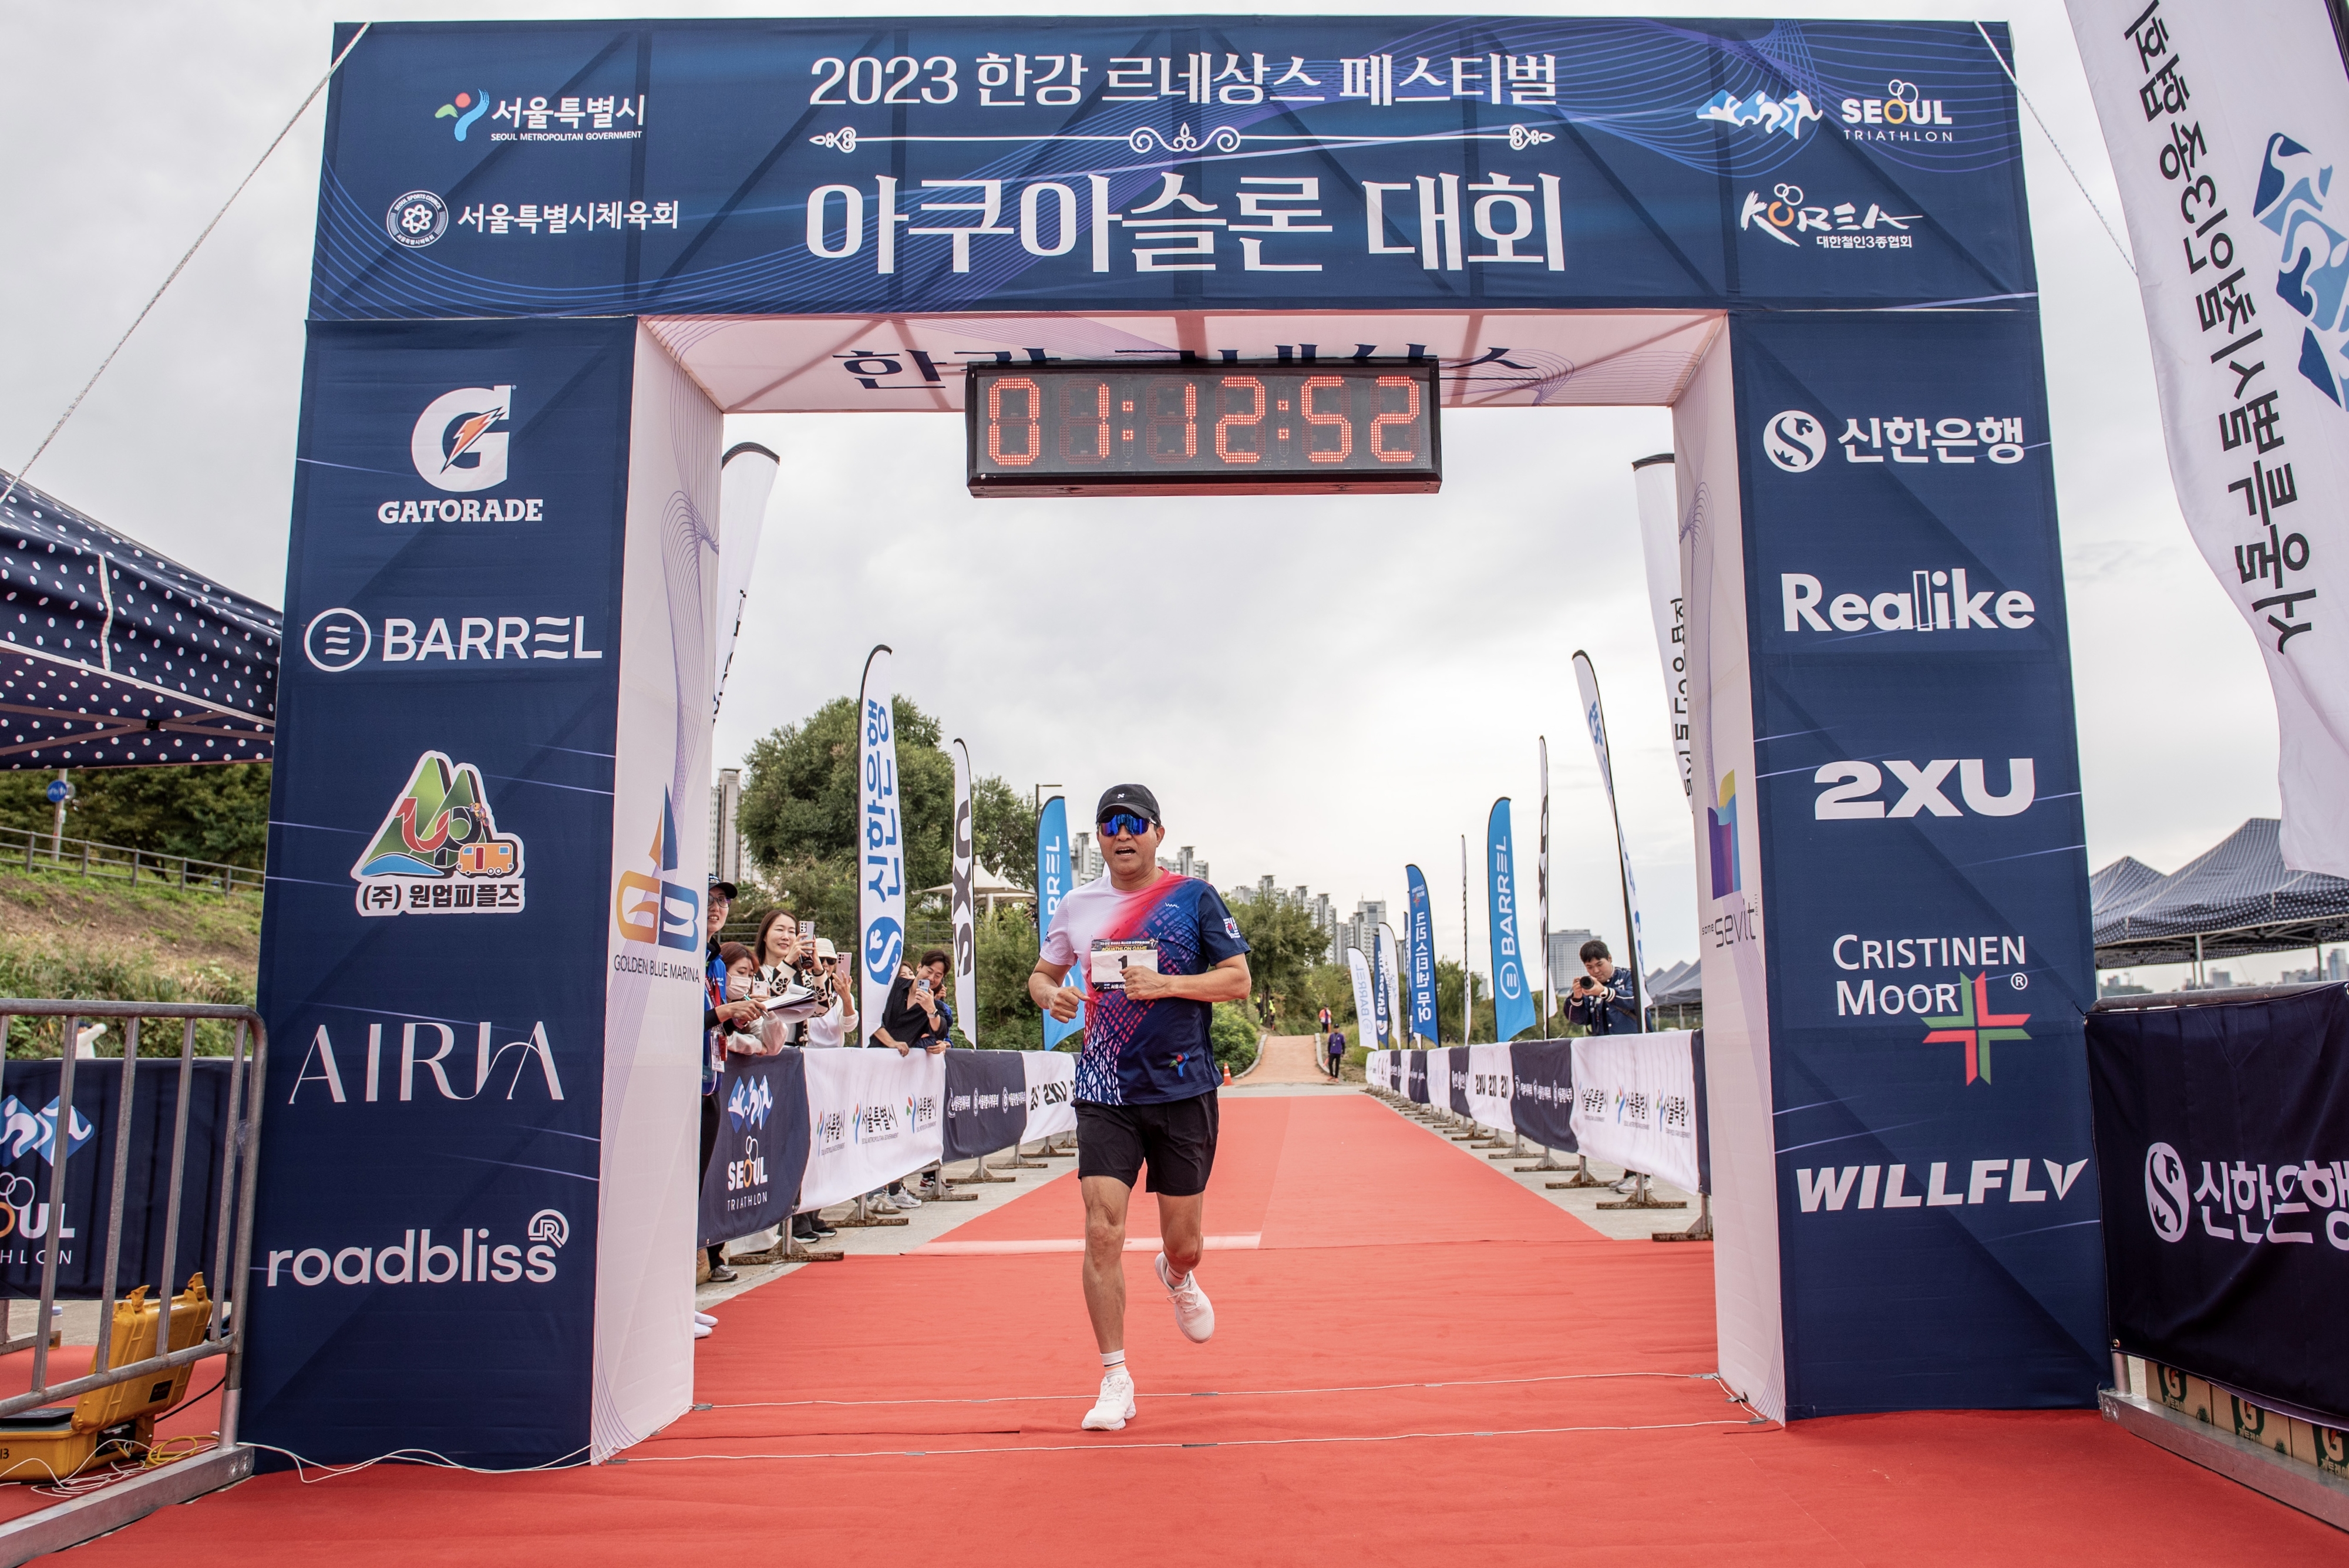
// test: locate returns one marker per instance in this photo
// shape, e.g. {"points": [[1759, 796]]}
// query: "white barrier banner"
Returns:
{"points": [[1052, 1092], [873, 1117], [1491, 1088], [1635, 1103]]}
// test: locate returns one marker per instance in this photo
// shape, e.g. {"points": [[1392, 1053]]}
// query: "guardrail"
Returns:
{"points": [[95, 1512], [120, 863]]}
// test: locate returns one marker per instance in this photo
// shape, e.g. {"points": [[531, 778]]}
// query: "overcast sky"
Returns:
{"points": [[1328, 688]]}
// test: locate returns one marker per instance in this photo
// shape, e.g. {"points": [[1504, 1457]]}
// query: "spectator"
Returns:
{"points": [[830, 975], [720, 1012], [1337, 1050], [914, 1019], [784, 961], [1605, 1001]]}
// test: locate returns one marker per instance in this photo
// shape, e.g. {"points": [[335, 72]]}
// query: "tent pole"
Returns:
{"points": [[2197, 959]]}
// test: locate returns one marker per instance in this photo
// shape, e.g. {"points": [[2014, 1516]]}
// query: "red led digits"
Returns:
{"points": [[1089, 427], [1162, 417], [1407, 418], [1033, 423], [1326, 417], [1250, 423]]}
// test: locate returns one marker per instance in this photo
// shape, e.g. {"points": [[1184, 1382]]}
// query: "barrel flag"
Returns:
{"points": [[1513, 999]]}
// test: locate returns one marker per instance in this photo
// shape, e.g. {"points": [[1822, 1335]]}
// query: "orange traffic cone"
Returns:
{"points": [[1227, 1075]]}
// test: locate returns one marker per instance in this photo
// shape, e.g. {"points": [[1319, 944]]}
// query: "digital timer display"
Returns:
{"points": [[1191, 430]]}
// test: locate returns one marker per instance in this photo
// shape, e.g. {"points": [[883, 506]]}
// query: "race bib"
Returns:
{"points": [[1111, 960]]}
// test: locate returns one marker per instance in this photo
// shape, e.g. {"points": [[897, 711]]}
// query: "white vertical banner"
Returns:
{"points": [[1654, 484], [1541, 886], [966, 929], [881, 884], [1594, 714], [1366, 1009], [2227, 125], [1390, 973], [746, 482]]}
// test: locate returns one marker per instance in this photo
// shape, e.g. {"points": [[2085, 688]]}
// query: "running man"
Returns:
{"points": [[1158, 951]]}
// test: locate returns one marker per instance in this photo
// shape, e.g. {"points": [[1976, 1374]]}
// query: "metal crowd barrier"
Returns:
{"points": [[94, 1512]]}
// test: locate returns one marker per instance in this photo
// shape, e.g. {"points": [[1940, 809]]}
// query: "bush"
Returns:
{"points": [[1231, 1032]]}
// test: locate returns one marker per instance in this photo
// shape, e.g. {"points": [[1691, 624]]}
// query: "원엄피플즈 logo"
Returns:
{"points": [[439, 851]]}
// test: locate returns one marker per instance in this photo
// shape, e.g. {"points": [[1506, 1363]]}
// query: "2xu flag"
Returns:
{"points": [[2221, 1133], [966, 931], [1052, 884], [2228, 126], [1594, 714], [1513, 1000], [1421, 937], [1366, 1009], [881, 893]]}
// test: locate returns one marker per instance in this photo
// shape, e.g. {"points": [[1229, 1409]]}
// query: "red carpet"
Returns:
{"points": [[1423, 1362]]}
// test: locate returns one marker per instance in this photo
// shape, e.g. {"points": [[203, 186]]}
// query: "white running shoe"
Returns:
{"points": [[704, 1320], [703, 1330], [906, 1202], [1194, 1314], [1114, 1409]]}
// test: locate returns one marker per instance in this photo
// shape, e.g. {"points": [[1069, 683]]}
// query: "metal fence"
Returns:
{"points": [[94, 1512], [115, 862]]}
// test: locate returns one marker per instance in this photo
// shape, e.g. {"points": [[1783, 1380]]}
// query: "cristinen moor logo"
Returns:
{"points": [[464, 108], [439, 851], [1975, 1026]]}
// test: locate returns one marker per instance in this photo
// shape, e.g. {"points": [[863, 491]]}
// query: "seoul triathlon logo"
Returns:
{"points": [[417, 220]]}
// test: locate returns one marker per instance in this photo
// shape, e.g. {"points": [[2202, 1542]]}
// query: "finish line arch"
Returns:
{"points": [[551, 256]]}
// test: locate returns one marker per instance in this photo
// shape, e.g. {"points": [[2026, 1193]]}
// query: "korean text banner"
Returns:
{"points": [[1512, 1001], [1156, 163], [872, 1116], [881, 872], [2226, 1219], [433, 965], [1420, 922], [2226, 125], [1925, 877]]}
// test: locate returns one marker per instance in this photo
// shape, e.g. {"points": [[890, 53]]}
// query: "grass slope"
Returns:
{"points": [[63, 936]]}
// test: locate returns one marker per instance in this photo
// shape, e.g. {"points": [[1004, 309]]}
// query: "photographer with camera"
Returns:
{"points": [[1605, 1000]]}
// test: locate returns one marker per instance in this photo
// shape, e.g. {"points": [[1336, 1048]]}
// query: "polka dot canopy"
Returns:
{"points": [[113, 656]]}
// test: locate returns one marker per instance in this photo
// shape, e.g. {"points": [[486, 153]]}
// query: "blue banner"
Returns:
{"points": [[1926, 891], [1054, 875], [753, 1176], [1419, 936], [1379, 991], [1513, 999], [1191, 162], [432, 955]]}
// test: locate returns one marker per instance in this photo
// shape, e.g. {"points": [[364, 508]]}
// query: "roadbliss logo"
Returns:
{"points": [[473, 1258], [438, 850]]}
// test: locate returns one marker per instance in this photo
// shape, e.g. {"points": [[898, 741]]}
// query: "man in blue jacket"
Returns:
{"points": [[1605, 1000]]}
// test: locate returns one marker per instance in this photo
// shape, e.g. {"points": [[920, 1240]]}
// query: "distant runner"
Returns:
{"points": [[1337, 1051], [1159, 951]]}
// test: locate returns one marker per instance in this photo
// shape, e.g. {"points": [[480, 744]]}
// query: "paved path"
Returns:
{"points": [[1287, 1059]]}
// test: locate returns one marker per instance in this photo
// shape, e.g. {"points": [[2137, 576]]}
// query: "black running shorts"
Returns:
{"points": [[1176, 1139]]}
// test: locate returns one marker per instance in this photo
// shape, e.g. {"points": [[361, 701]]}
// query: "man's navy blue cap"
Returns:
{"points": [[1135, 798]]}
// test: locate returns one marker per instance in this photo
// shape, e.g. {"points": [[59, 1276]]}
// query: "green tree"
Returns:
{"points": [[1232, 1034], [1007, 1020], [1447, 1005], [1003, 830], [800, 817], [1329, 985], [217, 812], [1285, 946]]}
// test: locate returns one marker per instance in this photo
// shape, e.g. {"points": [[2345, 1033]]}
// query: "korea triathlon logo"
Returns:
{"points": [[459, 443], [439, 851], [1975, 1026], [417, 220], [1794, 440]]}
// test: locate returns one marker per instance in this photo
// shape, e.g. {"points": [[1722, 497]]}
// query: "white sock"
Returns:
{"points": [[1113, 1361]]}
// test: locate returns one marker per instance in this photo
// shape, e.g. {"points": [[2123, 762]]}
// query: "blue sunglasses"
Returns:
{"points": [[1123, 822]]}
